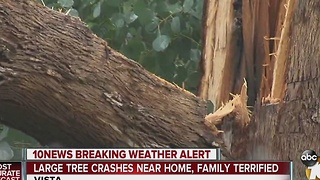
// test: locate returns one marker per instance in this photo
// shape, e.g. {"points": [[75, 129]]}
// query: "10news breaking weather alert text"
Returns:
{"points": [[138, 164]]}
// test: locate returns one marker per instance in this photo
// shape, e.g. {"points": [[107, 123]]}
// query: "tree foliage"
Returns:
{"points": [[162, 35]]}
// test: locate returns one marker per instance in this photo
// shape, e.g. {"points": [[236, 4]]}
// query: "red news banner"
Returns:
{"points": [[143, 164], [10, 170], [157, 168]]}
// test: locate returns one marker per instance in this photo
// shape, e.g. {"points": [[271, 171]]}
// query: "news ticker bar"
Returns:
{"points": [[152, 167], [38, 170], [122, 154], [57, 165]]}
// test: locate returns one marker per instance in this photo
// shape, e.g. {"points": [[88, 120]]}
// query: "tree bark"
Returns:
{"points": [[61, 83], [291, 126], [285, 119]]}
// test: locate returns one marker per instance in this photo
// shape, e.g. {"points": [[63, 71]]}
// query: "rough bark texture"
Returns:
{"points": [[61, 83], [283, 131], [280, 129]]}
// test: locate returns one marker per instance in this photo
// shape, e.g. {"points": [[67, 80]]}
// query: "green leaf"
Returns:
{"points": [[166, 63], [149, 61], [161, 43], [139, 6], [145, 16], [142, 11], [4, 131], [184, 45], [175, 24], [133, 49], [161, 7], [118, 20], [210, 107], [127, 7], [166, 66], [174, 8], [187, 5], [195, 55], [66, 3], [135, 32], [153, 25], [165, 28], [199, 5], [193, 80], [188, 27], [6, 153], [130, 17], [198, 9], [73, 12], [97, 10], [121, 35], [181, 75], [114, 3]]}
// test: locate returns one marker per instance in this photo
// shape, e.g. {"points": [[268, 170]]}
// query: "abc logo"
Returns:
{"points": [[309, 158]]}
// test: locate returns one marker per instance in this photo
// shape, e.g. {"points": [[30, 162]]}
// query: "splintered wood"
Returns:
{"points": [[237, 108], [221, 51], [282, 55]]}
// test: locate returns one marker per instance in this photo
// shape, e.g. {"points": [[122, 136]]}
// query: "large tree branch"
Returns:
{"points": [[61, 83]]}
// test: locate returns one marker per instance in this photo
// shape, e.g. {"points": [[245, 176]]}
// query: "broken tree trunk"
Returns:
{"points": [[238, 37], [221, 52], [292, 126], [61, 83], [286, 116]]}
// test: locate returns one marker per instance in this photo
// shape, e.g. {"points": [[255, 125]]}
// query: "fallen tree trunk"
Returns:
{"points": [[61, 83]]}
